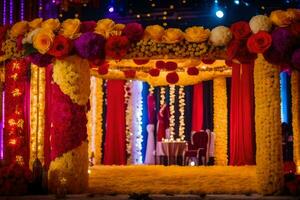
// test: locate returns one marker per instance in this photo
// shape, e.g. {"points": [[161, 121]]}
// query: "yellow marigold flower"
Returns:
{"points": [[20, 28], [172, 35], [36, 23], [51, 24], [281, 18], [294, 13], [196, 34], [70, 28], [154, 32], [104, 27], [43, 40]]}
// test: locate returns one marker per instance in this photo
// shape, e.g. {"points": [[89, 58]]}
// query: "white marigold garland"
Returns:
{"points": [[137, 110], [181, 111], [72, 74], [172, 112], [95, 120], [162, 96], [37, 116], [295, 84], [220, 120], [268, 127], [129, 109]]}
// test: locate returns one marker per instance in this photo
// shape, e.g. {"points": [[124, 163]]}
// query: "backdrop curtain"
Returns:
{"points": [[242, 115], [188, 111], [208, 105], [197, 116], [115, 140]]}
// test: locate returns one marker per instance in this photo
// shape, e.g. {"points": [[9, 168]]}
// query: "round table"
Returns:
{"points": [[173, 149]]}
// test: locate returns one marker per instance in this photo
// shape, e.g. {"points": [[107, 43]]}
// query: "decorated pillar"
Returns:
{"points": [[295, 87], [220, 120], [70, 90], [268, 127]]}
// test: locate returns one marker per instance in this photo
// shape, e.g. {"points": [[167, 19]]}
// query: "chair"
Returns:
{"points": [[197, 148]]}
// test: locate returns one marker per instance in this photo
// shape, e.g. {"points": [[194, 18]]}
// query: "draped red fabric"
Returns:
{"points": [[197, 116], [115, 140], [241, 116]]}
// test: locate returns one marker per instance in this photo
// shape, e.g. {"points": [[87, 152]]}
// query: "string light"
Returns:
{"points": [[172, 112], [165, 12], [181, 111], [148, 15], [138, 16], [22, 9], [4, 12], [40, 8], [165, 24], [171, 6], [153, 5], [164, 17], [11, 11]]}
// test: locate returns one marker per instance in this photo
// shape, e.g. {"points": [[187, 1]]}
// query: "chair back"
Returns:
{"points": [[200, 139]]}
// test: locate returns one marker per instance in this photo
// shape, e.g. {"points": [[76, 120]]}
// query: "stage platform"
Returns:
{"points": [[172, 180]]}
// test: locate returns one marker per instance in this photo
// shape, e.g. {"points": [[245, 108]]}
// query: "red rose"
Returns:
{"points": [[133, 31], [19, 42], [193, 71], [154, 72], [87, 26], [103, 69], [140, 61], [259, 42], [129, 73], [232, 49], [240, 30], [172, 77], [170, 66], [208, 61], [295, 29], [116, 47], [61, 47], [160, 64]]}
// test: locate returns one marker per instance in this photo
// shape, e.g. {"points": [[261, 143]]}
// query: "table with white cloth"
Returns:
{"points": [[173, 150]]}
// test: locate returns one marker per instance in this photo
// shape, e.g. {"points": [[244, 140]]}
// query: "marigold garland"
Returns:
{"points": [[181, 111], [268, 127], [162, 98], [220, 121], [37, 117], [295, 90], [72, 74], [95, 120], [128, 103], [71, 167], [172, 112]]}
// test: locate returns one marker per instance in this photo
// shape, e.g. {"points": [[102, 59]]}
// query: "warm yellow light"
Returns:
{"points": [[171, 6], [165, 12], [164, 17], [148, 15], [89, 171], [153, 5], [138, 16], [192, 163]]}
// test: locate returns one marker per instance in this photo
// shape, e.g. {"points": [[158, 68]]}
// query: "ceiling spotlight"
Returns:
{"points": [[237, 2], [219, 14], [111, 9], [216, 1]]}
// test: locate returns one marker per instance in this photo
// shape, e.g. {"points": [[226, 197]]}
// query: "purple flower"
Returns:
{"points": [[133, 31], [282, 40], [90, 46], [41, 60], [296, 59], [87, 26]]}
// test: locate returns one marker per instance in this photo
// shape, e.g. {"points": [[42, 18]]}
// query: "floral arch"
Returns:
{"points": [[68, 53]]}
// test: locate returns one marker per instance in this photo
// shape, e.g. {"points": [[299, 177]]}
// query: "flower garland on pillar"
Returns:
{"points": [[15, 135], [37, 116], [137, 109], [162, 99], [69, 148], [220, 120], [95, 120], [128, 103], [181, 111], [268, 127], [172, 112], [295, 90]]}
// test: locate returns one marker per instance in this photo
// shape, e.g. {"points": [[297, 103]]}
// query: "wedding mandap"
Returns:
{"points": [[74, 101]]}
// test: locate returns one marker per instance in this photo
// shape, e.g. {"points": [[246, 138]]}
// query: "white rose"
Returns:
{"points": [[220, 36], [260, 23]]}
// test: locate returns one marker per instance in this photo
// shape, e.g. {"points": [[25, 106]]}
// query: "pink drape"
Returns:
{"points": [[115, 140], [197, 116], [241, 115]]}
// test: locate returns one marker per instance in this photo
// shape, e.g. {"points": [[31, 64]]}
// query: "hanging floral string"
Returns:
{"points": [[137, 109], [37, 117], [128, 103], [181, 111], [172, 112], [162, 96]]}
